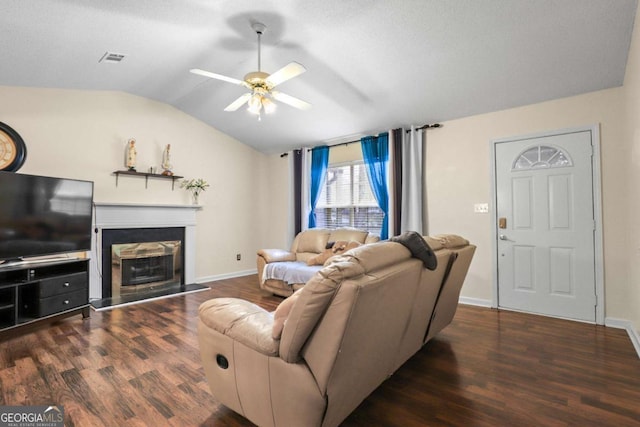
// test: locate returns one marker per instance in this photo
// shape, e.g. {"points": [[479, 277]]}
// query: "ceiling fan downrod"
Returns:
{"points": [[259, 28]]}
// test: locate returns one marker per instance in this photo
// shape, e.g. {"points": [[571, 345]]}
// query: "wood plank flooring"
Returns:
{"points": [[140, 366]]}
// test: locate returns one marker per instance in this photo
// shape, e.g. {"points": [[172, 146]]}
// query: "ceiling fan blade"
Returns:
{"points": [[285, 73], [218, 77], [290, 100], [238, 102]]}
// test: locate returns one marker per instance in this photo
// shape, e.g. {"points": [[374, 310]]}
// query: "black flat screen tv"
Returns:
{"points": [[42, 215]]}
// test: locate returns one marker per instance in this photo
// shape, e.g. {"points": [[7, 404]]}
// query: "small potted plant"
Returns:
{"points": [[195, 186]]}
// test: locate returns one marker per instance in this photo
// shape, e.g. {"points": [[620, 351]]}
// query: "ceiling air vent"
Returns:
{"points": [[110, 57]]}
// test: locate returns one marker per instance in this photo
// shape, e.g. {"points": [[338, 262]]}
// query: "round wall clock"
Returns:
{"points": [[13, 151]]}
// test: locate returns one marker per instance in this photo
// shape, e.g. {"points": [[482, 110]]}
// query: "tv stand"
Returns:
{"points": [[12, 261], [30, 261], [30, 292]]}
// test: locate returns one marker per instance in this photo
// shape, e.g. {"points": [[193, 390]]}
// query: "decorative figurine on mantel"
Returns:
{"points": [[131, 155], [166, 161]]}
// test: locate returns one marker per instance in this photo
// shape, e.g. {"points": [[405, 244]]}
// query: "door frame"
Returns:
{"points": [[597, 207]]}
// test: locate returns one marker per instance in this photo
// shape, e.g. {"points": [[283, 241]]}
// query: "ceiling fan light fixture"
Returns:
{"points": [[268, 105], [255, 104]]}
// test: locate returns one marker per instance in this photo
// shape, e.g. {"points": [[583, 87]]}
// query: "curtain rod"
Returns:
{"points": [[334, 145], [427, 126], [435, 125]]}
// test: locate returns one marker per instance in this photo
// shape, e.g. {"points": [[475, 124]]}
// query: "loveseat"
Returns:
{"points": [[351, 326], [283, 272]]}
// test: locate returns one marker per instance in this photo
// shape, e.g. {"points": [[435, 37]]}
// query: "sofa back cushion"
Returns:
{"points": [[451, 241], [313, 241], [312, 302], [281, 314], [348, 234], [319, 291], [354, 345], [434, 244]]}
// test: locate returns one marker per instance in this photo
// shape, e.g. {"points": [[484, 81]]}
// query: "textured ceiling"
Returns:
{"points": [[371, 65]]}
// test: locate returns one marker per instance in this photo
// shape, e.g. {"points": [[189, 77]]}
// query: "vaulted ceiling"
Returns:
{"points": [[371, 64]]}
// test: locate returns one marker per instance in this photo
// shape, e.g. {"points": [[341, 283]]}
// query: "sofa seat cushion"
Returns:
{"points": [[290, 272]]}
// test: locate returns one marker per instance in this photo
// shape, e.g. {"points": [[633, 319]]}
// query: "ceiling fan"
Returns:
{"points": [[261, 84]]}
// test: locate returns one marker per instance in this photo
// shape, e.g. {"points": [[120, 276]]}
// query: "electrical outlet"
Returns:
{"points": [[238, 257], [481, 208]]}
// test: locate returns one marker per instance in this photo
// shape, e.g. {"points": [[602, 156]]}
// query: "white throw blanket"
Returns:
{"points": [[290, 272]]}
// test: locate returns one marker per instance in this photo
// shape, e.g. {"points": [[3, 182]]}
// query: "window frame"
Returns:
{"points": [[352, 206]]}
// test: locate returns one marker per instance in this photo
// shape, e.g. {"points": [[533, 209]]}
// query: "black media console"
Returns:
{"points": [[35, 291]]}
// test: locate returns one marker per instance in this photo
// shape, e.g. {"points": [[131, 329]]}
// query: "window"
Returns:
{"points": [[541, 156], [346, 200]]}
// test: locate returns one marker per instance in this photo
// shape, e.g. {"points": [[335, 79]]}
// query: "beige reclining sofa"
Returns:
{"points": [[306, 245], [348, 329]]}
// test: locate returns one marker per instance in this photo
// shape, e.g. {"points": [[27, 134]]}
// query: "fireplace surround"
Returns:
{"points": [[136, 260], [130, 218]]}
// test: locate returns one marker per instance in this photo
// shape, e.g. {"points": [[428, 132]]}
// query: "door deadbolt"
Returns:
{"points": [[502, 222]]}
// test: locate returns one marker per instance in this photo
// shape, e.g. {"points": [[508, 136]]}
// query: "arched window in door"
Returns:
{"points": [[541, 156]]}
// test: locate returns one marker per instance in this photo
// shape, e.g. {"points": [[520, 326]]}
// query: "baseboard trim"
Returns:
{"points": [[215, 278], [628, 326], [475, 301]]}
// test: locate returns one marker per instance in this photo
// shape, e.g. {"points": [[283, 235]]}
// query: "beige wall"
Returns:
{"points": [[459, 175], [83, 134], [631, 167], [345, 153]]}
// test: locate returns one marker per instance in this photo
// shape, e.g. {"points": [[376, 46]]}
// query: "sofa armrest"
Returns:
{"points": [[241, 321], [276, 255]]}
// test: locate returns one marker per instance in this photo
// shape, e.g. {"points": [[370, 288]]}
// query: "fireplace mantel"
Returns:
{"points": [[132, 215], [136, 215]]}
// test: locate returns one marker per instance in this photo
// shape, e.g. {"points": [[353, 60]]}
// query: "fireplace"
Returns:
{"points": [[141, 267], [141, 260], [134, 223]]}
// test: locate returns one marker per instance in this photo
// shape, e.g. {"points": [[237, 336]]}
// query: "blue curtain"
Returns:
{"points": [[375, 151], [319, 162]]}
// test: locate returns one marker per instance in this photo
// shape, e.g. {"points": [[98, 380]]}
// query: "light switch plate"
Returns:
{"points": [[481, 208]]}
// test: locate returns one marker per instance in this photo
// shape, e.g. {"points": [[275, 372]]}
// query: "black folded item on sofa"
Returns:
{"points": [[419, 248]]}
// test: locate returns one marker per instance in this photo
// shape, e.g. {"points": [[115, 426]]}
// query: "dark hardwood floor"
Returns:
{"points": [[140, 366]]}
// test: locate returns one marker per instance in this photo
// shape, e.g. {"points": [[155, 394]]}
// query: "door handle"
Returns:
{"points": [[502, 237]]}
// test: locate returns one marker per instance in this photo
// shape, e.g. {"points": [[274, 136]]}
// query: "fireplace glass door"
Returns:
{"points": [[140, 267]]}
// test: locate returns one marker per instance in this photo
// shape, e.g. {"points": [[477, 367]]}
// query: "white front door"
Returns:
{"points": [[545, 217]]}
